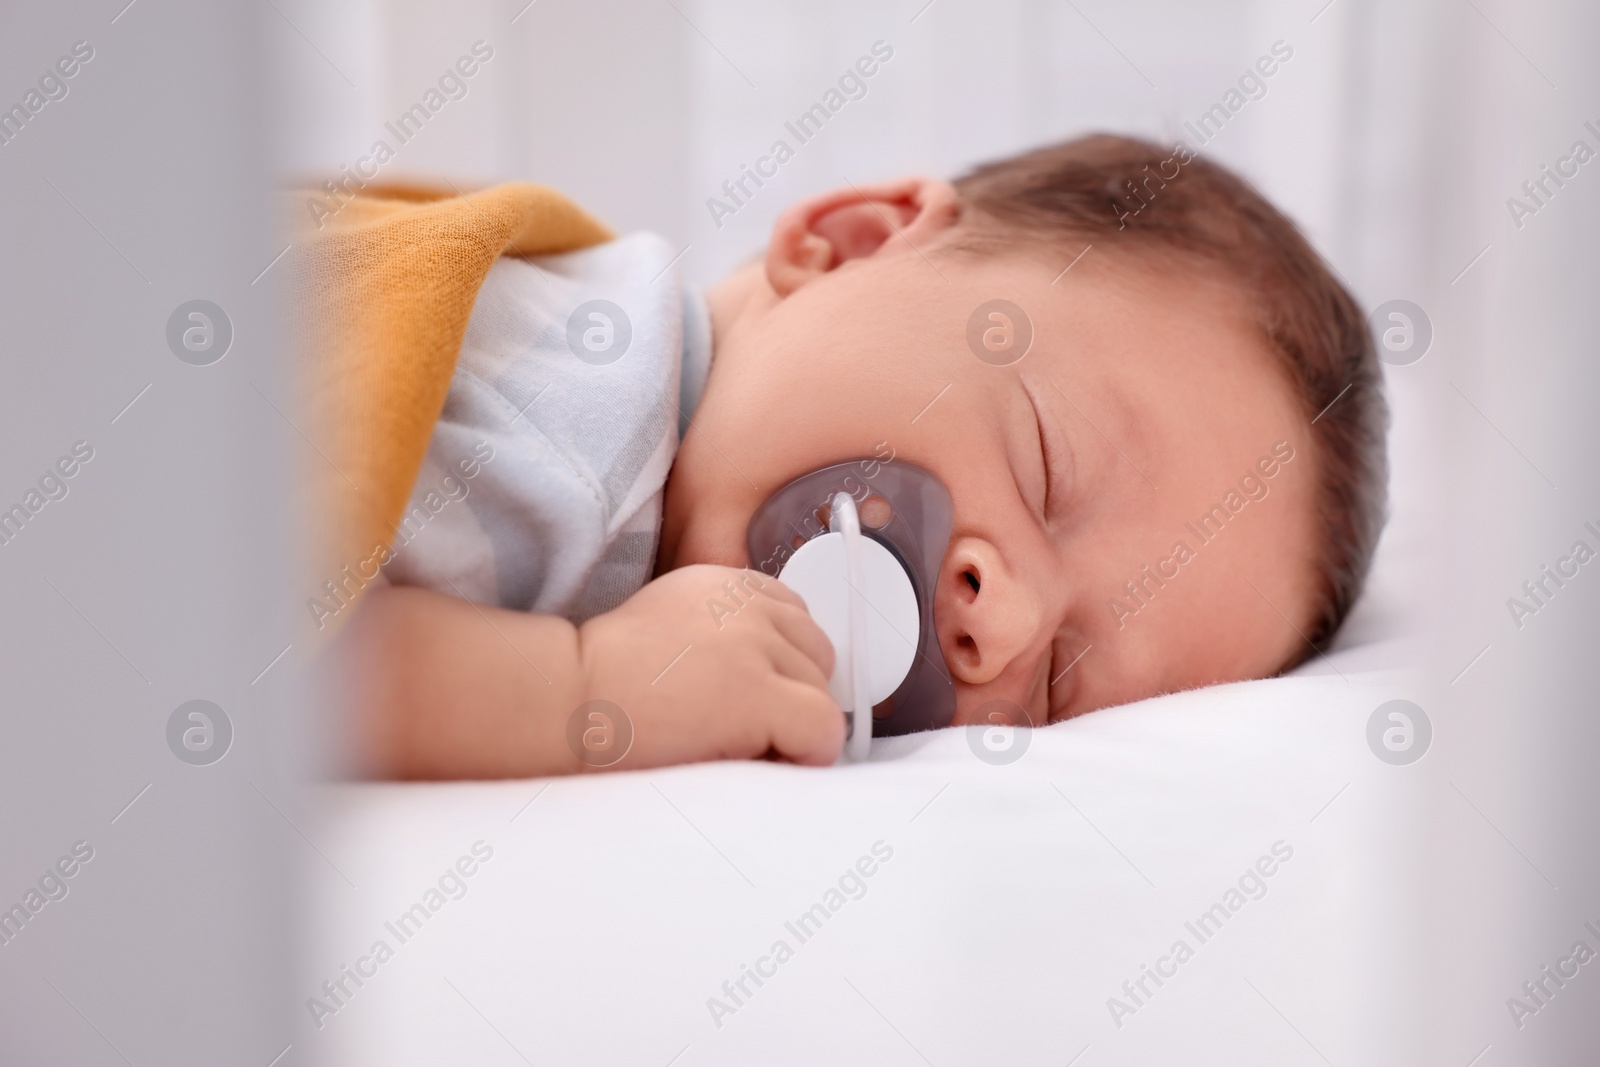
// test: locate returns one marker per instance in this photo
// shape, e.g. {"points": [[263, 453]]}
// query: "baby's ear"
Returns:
{"points": [[817, 234]]}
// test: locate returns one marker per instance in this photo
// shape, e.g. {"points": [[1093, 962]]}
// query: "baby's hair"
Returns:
{"points": [[1120, 193]]}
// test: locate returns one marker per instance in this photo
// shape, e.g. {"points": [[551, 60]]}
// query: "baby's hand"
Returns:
{"points": [[711, 663]]}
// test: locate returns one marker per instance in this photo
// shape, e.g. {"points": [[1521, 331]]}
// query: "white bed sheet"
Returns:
{"points": [[1017, 901]]}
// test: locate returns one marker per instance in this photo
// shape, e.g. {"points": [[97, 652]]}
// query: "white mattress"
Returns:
{"points": [[1017, 900]]}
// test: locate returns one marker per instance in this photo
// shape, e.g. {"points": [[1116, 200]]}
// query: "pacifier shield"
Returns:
{"points": [[817, 572], [904, 511]]}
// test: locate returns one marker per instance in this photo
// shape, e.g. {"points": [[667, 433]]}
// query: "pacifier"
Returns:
{"points": [[862, 543]]}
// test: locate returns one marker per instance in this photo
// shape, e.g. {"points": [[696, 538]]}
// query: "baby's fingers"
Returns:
{"points": [[799, 629], [790, 662], [806, 725], [773, 588]]}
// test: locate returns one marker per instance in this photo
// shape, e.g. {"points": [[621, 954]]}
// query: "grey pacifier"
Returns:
{"points": [[862, 544]]}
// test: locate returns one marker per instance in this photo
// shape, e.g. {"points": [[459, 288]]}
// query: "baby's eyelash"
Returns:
{"points": [[1057, 457], [1050, 465], [1044, 451]]}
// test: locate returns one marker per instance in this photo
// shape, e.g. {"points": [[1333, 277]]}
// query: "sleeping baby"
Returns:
{"points": [[1155, 411]]}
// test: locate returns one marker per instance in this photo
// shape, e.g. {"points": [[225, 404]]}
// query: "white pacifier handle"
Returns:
{"points": [[843, 519], [861, 597]]}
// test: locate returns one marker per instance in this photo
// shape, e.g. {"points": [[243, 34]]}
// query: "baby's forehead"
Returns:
{"points": [[1129, 319], [1068, 283], [1164, 376]]}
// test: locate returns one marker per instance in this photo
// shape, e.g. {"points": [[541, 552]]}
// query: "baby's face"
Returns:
{"points": [[1145, 400]]}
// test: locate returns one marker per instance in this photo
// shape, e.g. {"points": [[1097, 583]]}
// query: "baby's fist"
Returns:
{"points": [[714, 662]]}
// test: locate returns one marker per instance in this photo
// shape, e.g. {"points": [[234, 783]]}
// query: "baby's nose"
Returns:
{"points": [[986, 615]]}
